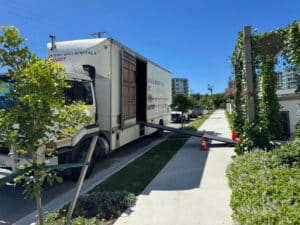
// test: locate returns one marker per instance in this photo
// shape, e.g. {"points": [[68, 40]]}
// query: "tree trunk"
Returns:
{"points": [[39, 208], [38, 198]]}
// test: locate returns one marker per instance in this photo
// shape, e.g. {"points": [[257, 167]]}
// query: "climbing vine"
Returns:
{"points": [[238, 115], [292, 50], [265, 47], [269, 101]]}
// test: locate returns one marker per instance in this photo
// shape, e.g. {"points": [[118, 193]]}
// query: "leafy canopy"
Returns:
{"points": [[183, 102], [38, 114], [39, 108]]}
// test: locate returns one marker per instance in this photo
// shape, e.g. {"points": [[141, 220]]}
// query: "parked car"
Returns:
{"points": [[194, 113], [179, 116]]}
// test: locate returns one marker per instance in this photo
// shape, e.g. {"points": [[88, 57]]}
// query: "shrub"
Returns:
{"points": [[266, 186], [255, 136], [106, 205], [289, 154], [55, 219], [267, 197], [297, 130]]}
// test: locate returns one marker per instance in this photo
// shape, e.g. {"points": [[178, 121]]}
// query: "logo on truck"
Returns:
{"points": [[60, 57]]}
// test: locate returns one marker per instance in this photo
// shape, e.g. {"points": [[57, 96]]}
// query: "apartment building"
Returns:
{"points": [[180, 86]]}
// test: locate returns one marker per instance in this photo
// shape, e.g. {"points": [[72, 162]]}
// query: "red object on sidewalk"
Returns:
{"points": [[203, 146], [233, 135]]}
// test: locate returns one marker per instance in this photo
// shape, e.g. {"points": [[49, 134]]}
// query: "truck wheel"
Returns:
{"points": [[160, 132], [102, 147], [81, 156]]}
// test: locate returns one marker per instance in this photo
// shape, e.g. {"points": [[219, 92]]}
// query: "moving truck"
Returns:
{"points": [[122, 89]]}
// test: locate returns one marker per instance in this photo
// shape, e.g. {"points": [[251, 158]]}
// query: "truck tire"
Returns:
{"points": [[160, 132], [102, 147]]}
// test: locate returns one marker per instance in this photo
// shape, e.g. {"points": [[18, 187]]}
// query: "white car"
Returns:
{"points": [[179, 116]]}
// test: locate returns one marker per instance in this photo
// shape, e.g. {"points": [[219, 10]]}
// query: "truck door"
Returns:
{"points": [[141, 90], [128, 89]]}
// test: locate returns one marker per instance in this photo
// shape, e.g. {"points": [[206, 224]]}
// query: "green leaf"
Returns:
{"points": [[59, 179]]}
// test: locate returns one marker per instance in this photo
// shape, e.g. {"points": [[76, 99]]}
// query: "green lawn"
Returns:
{"points": [[138, 174], [194, 125]]}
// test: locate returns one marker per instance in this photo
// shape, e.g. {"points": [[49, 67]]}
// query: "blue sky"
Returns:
{"points": [[192, 39]]}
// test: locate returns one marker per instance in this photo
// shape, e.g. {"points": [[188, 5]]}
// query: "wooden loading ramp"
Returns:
{"points": [[190, 133]]}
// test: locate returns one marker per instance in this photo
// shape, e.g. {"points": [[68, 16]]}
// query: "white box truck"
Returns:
{"points": [[121, 87]]}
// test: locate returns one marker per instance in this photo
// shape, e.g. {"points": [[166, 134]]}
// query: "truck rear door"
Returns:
{"points": [[128, 89]]}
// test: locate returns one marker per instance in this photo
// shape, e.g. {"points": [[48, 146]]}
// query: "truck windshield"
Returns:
{"points": [[5, 85], [80, 91]]}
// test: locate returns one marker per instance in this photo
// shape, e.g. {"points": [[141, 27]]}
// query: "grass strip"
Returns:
{"points": [[229, 118], [138, 174], [198, 122]]}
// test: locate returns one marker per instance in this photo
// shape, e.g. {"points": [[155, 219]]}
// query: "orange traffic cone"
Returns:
{"points": [[233, 135], [203, 146]]}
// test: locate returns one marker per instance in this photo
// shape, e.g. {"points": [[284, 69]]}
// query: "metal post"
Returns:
{"points": [[12, 154], [249, 74], [81, 178]]}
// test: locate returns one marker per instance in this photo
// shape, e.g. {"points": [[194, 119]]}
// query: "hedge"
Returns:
{"points": [[266, 186]]}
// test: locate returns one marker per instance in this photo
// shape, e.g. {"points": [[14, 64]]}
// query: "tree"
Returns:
{"points": [[38, 115], [207, 101], [219, 100], [183, 102], [196, 96], [193, 102]]}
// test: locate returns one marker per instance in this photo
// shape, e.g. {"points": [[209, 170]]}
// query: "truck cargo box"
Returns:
{"points": [[128, 87]]}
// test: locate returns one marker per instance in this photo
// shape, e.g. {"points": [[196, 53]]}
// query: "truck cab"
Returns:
{"points": [[81, 90]]}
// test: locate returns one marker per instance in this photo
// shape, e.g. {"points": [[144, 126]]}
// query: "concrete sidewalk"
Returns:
{"points": [[192, 188]]}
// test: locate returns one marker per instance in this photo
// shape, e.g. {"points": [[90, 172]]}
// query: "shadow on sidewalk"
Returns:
{"points": [[221, 145], [211, 132], [183, 172]]}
